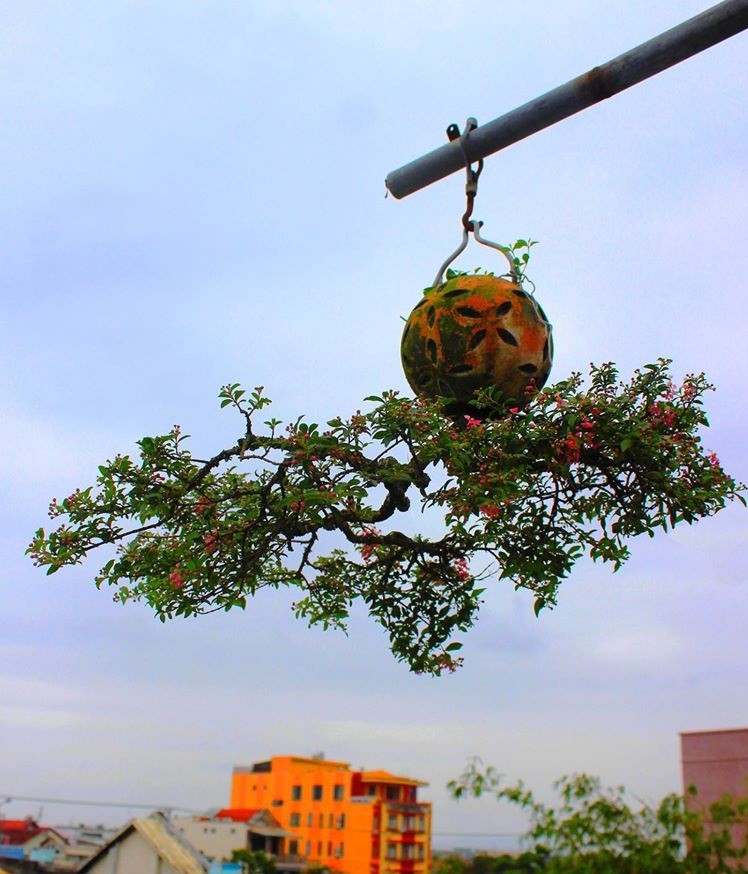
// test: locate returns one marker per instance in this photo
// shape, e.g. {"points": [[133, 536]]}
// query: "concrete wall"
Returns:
{"points": [[213, 838]]}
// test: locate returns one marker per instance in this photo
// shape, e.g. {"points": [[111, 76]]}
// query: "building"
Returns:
{"points": [[144, 845], [716, 764], [26, 839], [359, 822], [217, 835]]}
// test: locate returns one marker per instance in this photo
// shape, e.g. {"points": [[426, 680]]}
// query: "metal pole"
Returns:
{"points": [[675, 45]]}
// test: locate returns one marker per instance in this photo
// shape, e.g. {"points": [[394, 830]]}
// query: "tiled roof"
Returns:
{"points": [[387, 777], [238, 814], [14, 832]]}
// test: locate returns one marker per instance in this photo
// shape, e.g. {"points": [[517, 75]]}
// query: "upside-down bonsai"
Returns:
{"points": [[520, 494]]}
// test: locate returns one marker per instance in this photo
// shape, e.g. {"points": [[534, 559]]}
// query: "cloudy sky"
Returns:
{"points": [[193, 194]]}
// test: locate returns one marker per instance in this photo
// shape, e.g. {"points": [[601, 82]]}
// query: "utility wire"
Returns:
{"points": [[6, 798]]}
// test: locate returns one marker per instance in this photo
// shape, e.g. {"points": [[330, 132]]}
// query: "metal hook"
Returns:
{"points": [[471, 189], [503, 249], [474, 227]]}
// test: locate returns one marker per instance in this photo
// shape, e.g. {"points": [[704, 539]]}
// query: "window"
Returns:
{"points": [[310, 820], [296, 793], [316, 793], [309, 848], [295, 820], [319, 848], [330, 820], [393, 793], [421, 823], [276, 802], [371, 790], [409, 823], [329, 848], [392, 822], [293, 848], [407, 851], [421, 852], [338, 792], [341, 849], [321, 820], [340, 821], [391, 850]]}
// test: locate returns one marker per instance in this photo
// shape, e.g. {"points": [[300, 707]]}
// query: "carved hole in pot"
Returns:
{"points": [[476, 340], [424, 379], [459, 369], [431, 316], [519, 292], [528, 368], [468, 312], [507, 336], [420, 303], [454, 292], [431, 350], [504, 308]]}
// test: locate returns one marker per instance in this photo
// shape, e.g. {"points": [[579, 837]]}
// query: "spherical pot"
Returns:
{"points": [[473, 332]]}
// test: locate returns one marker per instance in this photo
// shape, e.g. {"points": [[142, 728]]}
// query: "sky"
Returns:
{"points": [[193, 194]]}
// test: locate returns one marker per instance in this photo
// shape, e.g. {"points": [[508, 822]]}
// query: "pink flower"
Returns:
{"points": [[713, 460], [569, 449], [513, 410], [461, 569], [491, 511], [470, 422], [211, 541], [175, 578], [689, 391], [203, 505], [367, 550]]}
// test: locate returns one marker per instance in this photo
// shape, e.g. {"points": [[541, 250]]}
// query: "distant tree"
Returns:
{"points": [[596, 830], [317, 868], [520, 494], [490, 863], [254, 861], [449, 863], [506, 863]]}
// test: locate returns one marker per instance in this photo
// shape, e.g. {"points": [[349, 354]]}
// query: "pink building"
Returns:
{"points": [[715, 762]]}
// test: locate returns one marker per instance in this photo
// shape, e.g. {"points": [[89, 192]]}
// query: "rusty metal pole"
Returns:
{"points": [[675, 45]]}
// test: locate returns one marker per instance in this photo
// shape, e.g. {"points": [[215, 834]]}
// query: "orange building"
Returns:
{"points": [[359, 822]]}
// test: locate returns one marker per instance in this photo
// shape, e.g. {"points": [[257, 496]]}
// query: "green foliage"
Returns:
{"points": [[485, 863], [521, 495], [254, 861], [596, 830]]}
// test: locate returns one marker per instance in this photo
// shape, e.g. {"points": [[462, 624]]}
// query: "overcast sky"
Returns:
{"points": [[192, 195]]}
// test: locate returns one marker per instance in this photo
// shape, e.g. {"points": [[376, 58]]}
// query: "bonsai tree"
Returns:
{"points": [[518, 495]]}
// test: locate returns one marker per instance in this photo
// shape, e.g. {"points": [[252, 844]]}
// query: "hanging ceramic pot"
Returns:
{"points": [[472, 332]]}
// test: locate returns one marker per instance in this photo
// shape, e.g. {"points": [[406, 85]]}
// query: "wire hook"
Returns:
{"points": [[469, 225]]}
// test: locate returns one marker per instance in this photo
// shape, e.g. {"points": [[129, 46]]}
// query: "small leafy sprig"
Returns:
{"points": [[521, 496]]}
